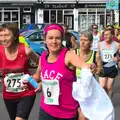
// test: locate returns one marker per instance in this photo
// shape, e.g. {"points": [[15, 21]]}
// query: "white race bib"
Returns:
{"points": [[12, 82], [108, 55], [51, 91], [64, 43]]}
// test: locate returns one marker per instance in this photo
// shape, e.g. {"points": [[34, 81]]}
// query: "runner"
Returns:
{"points": [[114, 38], [57, 68], [107, 49], [96, 37], [69, 39], [21, 39], [14, 64], [117, 32], [90, 56]]}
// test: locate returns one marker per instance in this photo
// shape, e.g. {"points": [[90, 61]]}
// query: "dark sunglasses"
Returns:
{"points": [[95, 28]]}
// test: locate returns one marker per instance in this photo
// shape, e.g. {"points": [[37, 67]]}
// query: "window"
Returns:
{"points": [[68, 11], [33, 36], [27, 9], [53, 16], [46, 16], [59, 16], [40, 36], [7, 16], [14, 16], [7, 9], [37, 36]]}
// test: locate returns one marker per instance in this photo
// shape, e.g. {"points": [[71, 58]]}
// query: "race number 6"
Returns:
{"points": [[48, 93]]}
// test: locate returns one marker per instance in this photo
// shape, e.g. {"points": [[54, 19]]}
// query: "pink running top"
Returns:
{"points": [[67, 107]]}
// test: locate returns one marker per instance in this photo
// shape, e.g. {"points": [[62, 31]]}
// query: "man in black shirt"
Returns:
{"points": [[69, 39]]}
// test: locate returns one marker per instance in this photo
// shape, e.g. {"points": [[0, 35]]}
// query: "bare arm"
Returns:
{"points": [[36, 76], [32, 55], [75, 60], [118, 54], [99, 63], [98, 52]]}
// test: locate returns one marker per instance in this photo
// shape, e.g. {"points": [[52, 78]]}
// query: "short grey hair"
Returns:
{"points": [[87, 34]]}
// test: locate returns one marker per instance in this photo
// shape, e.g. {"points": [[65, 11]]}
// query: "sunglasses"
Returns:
{"points": [[95, 28]]}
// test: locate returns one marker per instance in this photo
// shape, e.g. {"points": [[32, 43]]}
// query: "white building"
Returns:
{"points": [[77, 14]]}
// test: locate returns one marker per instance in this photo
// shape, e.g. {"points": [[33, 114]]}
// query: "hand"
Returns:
{"points": [[93, 68], [99, 70], [115, 59], [24, 79], [24, 82], [25, 86], [39, 87]]}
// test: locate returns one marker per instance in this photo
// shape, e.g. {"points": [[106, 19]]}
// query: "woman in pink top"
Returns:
{"points": [[57, 73]]}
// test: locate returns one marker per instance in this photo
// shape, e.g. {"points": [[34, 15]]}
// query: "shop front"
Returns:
{"points": [[56, 13], [79, 15], [19, 12], [9, 14], [89, 14]]}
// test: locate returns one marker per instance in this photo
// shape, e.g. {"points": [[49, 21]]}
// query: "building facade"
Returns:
{"points": [[77, 14], [21, 12]]}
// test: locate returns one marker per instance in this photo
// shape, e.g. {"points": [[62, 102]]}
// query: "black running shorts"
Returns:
{"points": [[110, 72], [20, 107], [45, 116]]}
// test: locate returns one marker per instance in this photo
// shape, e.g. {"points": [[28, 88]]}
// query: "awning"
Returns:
{"points": [[91, 1], [59, 1], [20, 1]]}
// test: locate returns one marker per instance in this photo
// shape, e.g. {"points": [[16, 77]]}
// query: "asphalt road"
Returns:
{"points": [[35, 111]]}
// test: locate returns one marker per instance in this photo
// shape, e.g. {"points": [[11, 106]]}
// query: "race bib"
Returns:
{"points": [[12, 82], [64, 43], [51, 91], [108, 55]]}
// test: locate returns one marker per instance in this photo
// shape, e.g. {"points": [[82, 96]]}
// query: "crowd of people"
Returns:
{"points": [[58, 68]]}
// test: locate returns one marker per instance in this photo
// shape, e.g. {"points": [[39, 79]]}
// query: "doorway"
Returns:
{"points": [[69, 20]]}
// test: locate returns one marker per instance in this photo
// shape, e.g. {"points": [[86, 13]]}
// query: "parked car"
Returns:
{"points": [[32, 26], [33, 35], [35, 40], [37, 47]]}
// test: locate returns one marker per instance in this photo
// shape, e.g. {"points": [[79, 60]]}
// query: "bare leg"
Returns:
{"points": [[103, 82], [18, 118], [110, 87]]}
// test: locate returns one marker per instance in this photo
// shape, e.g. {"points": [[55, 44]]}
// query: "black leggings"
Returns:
{"points": [[20, 107], [45, 116]]}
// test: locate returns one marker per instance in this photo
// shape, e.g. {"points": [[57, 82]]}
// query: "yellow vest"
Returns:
{"points": [[90, 61]]}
